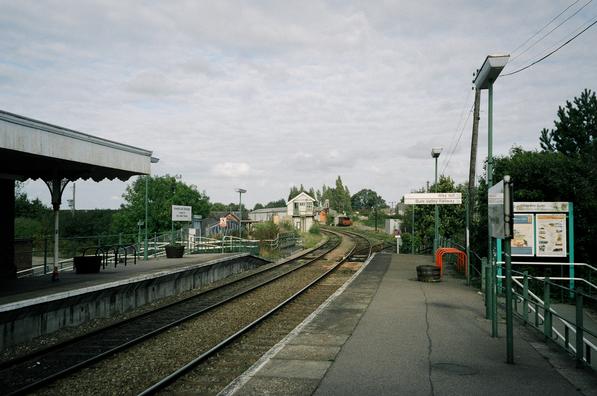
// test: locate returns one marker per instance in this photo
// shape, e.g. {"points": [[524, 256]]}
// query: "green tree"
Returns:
{"points": [[367, 199], [576, 127], [164, 191], [276, 204], [451, 217]]}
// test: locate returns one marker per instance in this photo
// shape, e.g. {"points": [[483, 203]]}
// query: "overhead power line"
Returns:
{"points": [[460, 120], [552, 52], [546, 25], [459, 137], [551, 31]]}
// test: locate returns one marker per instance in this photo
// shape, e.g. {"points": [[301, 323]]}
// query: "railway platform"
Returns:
{"points": [[386, 333], [30, 307]]}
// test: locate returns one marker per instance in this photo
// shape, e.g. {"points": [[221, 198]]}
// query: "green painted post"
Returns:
{"points": [[155, 240], [494, 315], [509, 315], [484, 285], [499, 259], [547, 331], [45, 255], [435, 240], [580, 333], [525, 297], [490, 162], [146, 217], [412, 243], [571, 243]]}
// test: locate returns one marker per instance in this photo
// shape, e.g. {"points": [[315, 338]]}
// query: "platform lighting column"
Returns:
{"points": [[153, 160], [484, 79], [240, 192], [435, 152]]}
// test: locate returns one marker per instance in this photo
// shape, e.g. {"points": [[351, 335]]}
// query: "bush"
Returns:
{"points": [[266, 230], [315, 229]]}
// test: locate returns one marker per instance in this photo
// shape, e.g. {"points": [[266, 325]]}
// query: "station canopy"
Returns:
{"points": [[31, 149]]}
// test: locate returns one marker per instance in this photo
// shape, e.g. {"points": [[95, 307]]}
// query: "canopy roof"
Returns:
{"points": [[31, 149]]}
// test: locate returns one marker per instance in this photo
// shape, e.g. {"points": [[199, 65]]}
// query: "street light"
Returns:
{"points": [[486, 76], [240, 192], [153, 160], [435, 152], [484, 79]]}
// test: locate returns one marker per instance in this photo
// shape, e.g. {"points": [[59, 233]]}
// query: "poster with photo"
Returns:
{"points": [[551, 235], [523, 242]]}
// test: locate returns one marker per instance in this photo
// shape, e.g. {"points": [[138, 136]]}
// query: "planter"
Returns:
{"points": [[428, 273], [174, 251], [87, 264]]}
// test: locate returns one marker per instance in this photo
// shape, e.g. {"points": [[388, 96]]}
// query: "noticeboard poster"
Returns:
{"points": [[551, 235], [523, 242]]}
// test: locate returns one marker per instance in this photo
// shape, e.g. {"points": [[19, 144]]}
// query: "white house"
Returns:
{"points": [[300, 209]]}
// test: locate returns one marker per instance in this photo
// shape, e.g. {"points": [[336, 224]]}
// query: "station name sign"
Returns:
{"points": [[433, 199], [541, 207], [181, 213]]}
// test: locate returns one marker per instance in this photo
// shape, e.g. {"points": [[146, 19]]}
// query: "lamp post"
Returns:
{"points": [[153, 160], [240, 192], [435, 152], [139, 224], [484, 79]]}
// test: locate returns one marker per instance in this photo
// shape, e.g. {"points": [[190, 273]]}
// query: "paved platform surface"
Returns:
{"points": [[30, 288], [387, 334]]}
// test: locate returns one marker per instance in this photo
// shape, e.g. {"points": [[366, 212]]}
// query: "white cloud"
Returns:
{"points": [[231, 169]]}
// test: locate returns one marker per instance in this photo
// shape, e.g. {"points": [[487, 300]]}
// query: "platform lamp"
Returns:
{"points": [[435, 152], [240, 192], [484, 79], [153, 160]]}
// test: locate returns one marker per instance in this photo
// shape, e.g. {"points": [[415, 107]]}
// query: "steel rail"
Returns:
{"points": [[164, 382], [127, 344]]}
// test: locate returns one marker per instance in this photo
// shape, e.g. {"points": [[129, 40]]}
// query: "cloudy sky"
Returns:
{"points": [[267, 94]]}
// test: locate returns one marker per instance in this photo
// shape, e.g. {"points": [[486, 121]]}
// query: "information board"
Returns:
{"points": [[551, 235], [181, 213], [523, 242]]}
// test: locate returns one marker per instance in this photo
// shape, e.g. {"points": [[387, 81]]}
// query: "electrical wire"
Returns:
{"points": [[551, 31], [460, 119], [459, 137], [546, 25], [552, 52]]}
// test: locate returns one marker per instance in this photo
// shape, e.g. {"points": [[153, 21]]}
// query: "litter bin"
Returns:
{"points": [[87, 264], [428, 273]]}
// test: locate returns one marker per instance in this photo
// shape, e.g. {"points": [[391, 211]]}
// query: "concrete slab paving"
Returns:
{"points": [[413, 338], [287, 368], [308, 352]]}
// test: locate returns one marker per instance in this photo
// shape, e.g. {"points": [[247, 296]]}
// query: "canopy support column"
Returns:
{"points": [[8, 268], [56, 187]]}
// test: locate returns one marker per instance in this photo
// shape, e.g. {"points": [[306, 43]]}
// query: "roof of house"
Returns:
{"points": [[269, 210], [302, 197]]}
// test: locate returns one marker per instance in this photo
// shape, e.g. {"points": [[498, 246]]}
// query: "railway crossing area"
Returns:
{"points": [[386, 333]]}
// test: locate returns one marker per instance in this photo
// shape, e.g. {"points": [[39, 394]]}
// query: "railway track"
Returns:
{"points": [[212, 370], [27, 373]]}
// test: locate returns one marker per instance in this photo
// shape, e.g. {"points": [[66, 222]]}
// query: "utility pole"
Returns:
{"points": [[471, 178]]}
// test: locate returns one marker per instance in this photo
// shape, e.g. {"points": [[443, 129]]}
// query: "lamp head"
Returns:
{"points": [[240, 190], [436, 151]]}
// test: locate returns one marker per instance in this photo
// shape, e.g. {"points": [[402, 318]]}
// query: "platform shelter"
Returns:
{"points": [[32, 149]]}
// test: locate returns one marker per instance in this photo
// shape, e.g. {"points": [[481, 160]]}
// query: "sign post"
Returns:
{"points": [[501, 226], [180, 213]]}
